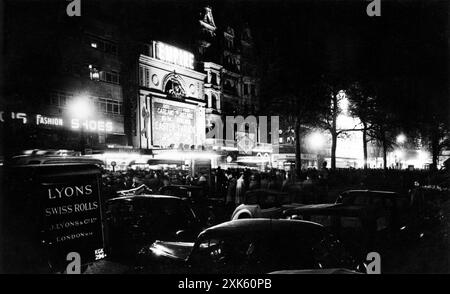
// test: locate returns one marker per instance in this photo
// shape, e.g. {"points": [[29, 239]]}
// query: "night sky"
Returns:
{"points": [[405, 49]]}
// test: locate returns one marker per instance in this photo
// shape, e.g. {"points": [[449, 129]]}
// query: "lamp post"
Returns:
{"points": [[343, 101], [400, 139]]}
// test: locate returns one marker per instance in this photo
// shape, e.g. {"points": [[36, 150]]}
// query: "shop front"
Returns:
{"points": [[43, 131]]}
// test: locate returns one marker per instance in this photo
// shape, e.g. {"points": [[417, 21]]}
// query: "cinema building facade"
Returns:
{"points": [[170, 113], [107, 93]]}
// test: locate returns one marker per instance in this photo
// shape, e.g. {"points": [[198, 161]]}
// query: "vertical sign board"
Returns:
{"points": [[72, 220], [143, 122], [54, 210], [202, 167]]}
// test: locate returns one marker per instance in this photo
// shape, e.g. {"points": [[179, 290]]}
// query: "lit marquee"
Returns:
{"points": [[174, 55]]}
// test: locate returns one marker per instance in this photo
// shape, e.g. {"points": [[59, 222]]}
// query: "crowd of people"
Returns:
{"points": [[230, 185]]}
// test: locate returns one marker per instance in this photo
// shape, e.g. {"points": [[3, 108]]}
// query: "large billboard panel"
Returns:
{"points": [[172, 124]]}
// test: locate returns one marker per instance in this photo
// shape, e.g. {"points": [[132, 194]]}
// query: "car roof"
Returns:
{"points": [[260, 225], [143, 197], [268, 191], [381, 193], [187, 187], [332, 209], [52, 159]]}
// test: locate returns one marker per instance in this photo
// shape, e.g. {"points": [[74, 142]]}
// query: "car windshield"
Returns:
{"points": [[355, 198], [266, 199], [161, 212]]}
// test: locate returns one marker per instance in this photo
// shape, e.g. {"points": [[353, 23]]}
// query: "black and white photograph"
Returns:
{"points": [[210, 138]]}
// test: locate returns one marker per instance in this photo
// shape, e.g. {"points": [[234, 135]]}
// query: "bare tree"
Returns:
{"points": [[334, 95], [363, 105]]}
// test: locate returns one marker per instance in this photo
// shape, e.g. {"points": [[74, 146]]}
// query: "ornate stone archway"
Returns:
{"points": [[174, 85]]}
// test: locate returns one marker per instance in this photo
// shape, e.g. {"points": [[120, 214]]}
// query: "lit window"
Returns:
{"points": [[95, 75], [93, 44]]}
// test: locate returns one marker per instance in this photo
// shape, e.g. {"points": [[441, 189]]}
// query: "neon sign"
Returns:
{"points": [[72, 123], [173, 55], [92, 125], [49, 121]]}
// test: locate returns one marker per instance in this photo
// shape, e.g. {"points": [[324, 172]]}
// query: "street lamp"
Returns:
{"points": [[81, 108], [316, 140], [401, 139], [343, 101]]}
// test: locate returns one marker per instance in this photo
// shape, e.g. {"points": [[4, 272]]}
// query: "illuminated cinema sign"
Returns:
{"points": [[173, 124], [174, 55]]}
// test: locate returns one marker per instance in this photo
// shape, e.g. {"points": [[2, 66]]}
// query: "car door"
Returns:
{"points": [[209, 256]]}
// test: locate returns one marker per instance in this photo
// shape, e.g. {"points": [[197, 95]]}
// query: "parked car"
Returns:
{"points": [[327, 271], [429, 201], [364, 220], [209, 210], [53, 159], [262, 203], [246, 246], [135, 220], [394, 211]]}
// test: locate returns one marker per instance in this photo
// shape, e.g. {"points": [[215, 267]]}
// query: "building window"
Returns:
{"points": [[59, 98], [229, 43], [105, 46], [144, 76], [109, 106], [213, 78], [110, 77], [214, 101], [245, 89], [253, 91], [102, 105], [96, 74]]}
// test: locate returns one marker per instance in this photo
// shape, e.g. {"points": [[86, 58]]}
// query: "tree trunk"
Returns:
{"points": [[435, 151], [333, 150], [298, 155], [334, 133], [365, 145], [384, 153]]}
